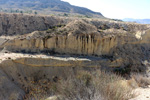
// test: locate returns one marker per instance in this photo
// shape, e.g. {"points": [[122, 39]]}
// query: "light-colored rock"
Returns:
{"points": [[84, 37], [82, 44], [125, 41]]}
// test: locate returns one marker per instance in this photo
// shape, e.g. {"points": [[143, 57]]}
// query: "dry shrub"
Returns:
{"points": [[38, 89], [141, 80], [132, 83], [93, 86]]}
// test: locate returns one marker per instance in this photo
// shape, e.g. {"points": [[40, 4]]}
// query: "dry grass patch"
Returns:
{"points": [[93, 86]]}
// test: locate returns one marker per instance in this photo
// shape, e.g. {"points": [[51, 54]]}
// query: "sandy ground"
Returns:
{"points": [[142, 94], [6, 56]]}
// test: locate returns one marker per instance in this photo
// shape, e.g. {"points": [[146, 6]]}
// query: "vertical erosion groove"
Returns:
{"points": [[56, 41]]}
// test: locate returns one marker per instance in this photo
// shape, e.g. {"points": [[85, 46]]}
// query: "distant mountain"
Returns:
{"points": [[141, 21], [45, 7]]}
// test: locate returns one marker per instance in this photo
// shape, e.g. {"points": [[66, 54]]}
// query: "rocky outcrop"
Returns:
{"points": [[122, 44], [81, 44], [80, 38]]}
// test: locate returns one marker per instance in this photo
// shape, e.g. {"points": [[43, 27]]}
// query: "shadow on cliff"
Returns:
{"points": [[132, 56]]}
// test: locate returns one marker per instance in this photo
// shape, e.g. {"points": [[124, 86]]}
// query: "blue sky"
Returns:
{"points": [[138, 9]]}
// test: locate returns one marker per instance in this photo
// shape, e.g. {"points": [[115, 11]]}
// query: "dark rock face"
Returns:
{"points": [[13, 24], [8, 89]]}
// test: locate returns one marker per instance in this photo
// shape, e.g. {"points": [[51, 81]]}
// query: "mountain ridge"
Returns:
{"points": [[47, 7], [140, 21]]}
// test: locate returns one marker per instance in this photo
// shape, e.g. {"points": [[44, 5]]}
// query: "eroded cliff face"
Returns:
{"points": [[22, 77], [82, 44], [90, 37], [123, 43]]}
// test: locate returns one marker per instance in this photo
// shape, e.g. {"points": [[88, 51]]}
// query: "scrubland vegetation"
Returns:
{"points": [[84, 85], [98, 85]]}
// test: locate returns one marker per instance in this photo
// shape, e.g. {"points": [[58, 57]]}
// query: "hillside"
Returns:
{"points": [[38, 53], [49, 7]]}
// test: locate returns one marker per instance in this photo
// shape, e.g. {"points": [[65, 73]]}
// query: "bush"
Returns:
{"points": [[93, 86], [141, 80]]}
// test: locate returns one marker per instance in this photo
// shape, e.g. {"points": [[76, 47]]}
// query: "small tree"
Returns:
{"points": [[21, 12], [65, 14], [17, 11], [35, 13]]}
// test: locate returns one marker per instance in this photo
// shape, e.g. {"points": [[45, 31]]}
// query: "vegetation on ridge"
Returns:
{"points": [[54, 7]]}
